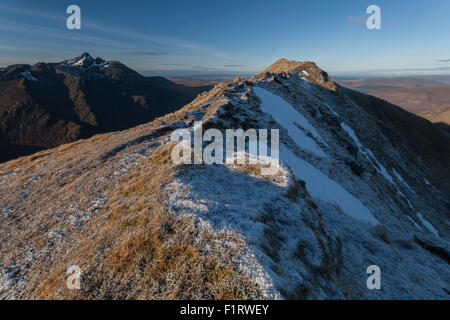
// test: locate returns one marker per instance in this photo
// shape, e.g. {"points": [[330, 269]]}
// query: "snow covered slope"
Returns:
{"points": [[353, 191]]}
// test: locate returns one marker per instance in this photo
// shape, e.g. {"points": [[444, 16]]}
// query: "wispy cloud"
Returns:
{"points": [[41, 14], [147, 53], [164, 40], [15, 48], [49, 32], [444, 60], [169, 41], [8, 60], [215, 68], [233, 65]]}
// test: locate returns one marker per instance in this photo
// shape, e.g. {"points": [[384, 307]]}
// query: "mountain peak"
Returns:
{"points": [[85, 60], [290, 66], [307, 69], [86, 55]]}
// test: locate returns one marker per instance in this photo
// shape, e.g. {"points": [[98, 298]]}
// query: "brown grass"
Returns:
{"points": [[255, 170], [143, 251]]}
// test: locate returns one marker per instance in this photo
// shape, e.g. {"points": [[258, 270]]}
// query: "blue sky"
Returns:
{"points": [[175, 37]]}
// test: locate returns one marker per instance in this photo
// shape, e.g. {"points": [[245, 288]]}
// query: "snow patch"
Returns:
{"points": [[96, 65], [406, 199], [29, 76], [399, 177], [79, 62], [427, 224], [368, 154], [332, 110], [352, 134], [283, 113], [322, 187], [414, 223]]}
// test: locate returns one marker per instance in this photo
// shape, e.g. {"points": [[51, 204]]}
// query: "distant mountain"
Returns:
{"points": [[360, 182], [202, 79], [368, 85], [49, 104], [428, 96], [438, 115], [418, 100]]}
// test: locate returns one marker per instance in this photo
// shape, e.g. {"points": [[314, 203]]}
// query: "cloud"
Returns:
{"points": [[233, 65], [40, 14], [197, 67], [164, 40], [10, 60], [444, 60], [49, 32], [170, 41], [14, 48], [147, 53]]}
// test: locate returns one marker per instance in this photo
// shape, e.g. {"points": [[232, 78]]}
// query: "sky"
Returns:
{"points": [[172, 37]]}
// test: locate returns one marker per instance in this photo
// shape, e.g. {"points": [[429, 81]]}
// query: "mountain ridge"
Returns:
{"points": [[141, 227]]}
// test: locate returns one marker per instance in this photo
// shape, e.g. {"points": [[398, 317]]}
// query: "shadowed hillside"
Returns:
{"points": [[49, 104]]}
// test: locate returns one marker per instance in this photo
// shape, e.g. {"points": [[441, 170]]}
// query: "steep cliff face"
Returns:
{"points": [[49, 104], [360, 183]]}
